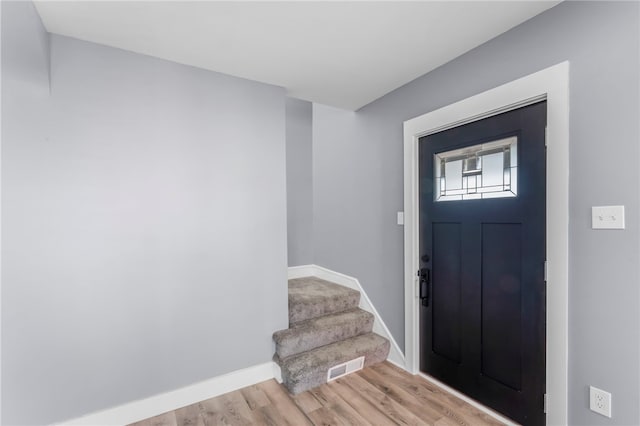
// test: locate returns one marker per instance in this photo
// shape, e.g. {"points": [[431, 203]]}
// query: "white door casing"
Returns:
{"points": [[551, 84]]}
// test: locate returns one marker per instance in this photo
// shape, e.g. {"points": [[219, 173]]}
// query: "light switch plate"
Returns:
{"points": [[607, 217], [400, 218]]}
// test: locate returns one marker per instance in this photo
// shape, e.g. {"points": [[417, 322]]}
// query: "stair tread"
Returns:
{"points": [[311, 297], [320, 331]]}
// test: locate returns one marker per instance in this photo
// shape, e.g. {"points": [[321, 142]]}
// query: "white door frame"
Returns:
{"points": [[551, 84]]}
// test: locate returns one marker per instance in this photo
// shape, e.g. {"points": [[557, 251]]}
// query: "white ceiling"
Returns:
{"points": [[344, 54]]}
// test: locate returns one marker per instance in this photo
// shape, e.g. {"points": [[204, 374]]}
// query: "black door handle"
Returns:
{"points": [[425, 280]]}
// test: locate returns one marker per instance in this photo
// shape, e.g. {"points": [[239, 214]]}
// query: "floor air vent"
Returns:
{"points": [[345, 368]]}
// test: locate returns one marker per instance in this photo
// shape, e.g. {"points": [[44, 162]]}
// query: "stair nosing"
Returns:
{"points": [[325, 347], [304, 323], [314, 333]]}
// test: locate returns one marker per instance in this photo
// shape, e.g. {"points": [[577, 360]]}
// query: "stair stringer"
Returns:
{"points": [[395, 354]]}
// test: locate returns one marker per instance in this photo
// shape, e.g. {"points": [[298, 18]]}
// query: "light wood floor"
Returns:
{"points": [[378, 395]]}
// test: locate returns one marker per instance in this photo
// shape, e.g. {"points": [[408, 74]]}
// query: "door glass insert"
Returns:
{"points": [[487, 170]]}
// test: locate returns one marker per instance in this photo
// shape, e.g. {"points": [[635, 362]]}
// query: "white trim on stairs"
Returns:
{"points": [[149, 407], [395, 354]]}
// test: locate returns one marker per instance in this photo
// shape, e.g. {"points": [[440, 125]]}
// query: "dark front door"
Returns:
{"points": [[482, 248]]}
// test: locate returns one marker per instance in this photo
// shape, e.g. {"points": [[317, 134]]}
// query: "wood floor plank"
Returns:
{"points": [[190, 415], [306, 402], [384, 403], [445, 421], [429, 394], [324, 416], [424, 411], [237, 406], [255, 397], [280, 398], [361, 405], [421, 383], [350, 416], [227, 409], [166, 419], [455, 406], [332, 401], [457, 410], [269, 416], [212, 411]]}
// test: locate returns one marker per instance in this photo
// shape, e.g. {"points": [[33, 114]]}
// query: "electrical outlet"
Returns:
{"points": [[600, 401]]}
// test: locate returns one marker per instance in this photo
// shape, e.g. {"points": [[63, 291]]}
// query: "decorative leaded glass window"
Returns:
{"points": [[488, 170]]}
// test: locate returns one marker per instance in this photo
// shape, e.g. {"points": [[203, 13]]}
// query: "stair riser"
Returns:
{"points": [[308, 379], [299, 312], [311, 339]]}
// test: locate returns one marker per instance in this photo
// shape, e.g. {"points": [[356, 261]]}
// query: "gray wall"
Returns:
{"points": [[144, 224], [299, 182], [358, 172]]}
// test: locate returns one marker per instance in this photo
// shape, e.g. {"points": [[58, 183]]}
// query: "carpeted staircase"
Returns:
{"points": [[326, 328]]}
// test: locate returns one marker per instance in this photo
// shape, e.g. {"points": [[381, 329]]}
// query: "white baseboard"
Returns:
{"points": [[301, 271], [150, 407], [395, 354]]}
